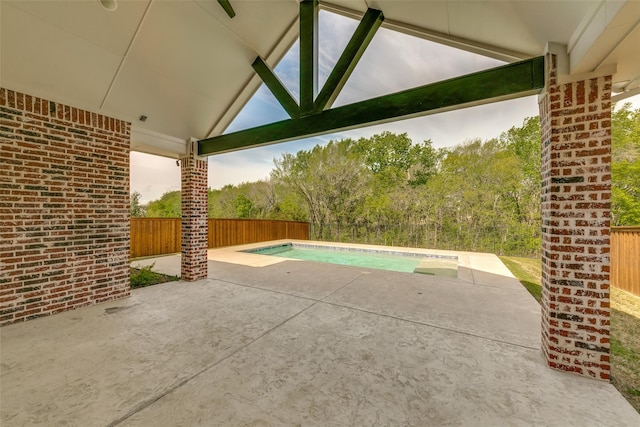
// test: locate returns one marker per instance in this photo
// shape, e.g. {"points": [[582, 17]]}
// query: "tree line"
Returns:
{"points": [[386, 189]]}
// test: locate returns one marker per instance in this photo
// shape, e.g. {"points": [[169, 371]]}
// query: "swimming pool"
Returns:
{"points": [[407, 262]]}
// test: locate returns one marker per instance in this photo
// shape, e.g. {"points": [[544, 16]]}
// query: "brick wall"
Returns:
{"points": [[576, 189], [64, 207], [194, 218]]}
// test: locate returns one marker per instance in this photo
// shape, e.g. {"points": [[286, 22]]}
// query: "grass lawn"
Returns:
{"points": [[625, 327]]}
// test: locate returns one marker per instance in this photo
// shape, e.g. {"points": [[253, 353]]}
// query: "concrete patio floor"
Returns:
{"points": [[271, 342]]}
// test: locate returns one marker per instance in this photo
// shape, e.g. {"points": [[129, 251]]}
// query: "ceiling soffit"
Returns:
{"points": [[186, 65]]}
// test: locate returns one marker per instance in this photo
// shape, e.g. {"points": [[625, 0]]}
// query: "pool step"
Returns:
{"points": [[437, 267]]}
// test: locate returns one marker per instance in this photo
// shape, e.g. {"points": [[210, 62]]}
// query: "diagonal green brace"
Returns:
{"points": [[226, 5], [507, 82], [349, 59], [276, 87]]}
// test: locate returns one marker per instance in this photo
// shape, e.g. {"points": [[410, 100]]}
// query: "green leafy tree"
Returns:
{"points": [[167, 206], [247, 200], [243, 206], [625, 166], [395, 159], [525, 143], [221, 202], [136, 209], [330, 180], [470, 203], [290, 206]]}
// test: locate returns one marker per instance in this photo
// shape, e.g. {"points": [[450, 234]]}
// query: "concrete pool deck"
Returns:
{"points": [[276, 342]]}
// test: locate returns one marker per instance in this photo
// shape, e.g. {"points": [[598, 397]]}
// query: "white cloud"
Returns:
{"points": [[455, 127], [152, 176], [288, 70], [396, 61], [235, 168], [334, 33], [634, 101]]}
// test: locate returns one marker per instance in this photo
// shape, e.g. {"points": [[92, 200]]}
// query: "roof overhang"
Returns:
{"points": [[186, 65]]}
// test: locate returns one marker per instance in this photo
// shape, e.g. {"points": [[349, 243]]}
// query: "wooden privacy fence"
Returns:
{"points": [[229, 232], [625, 259], [154, 236], [159, 236]]}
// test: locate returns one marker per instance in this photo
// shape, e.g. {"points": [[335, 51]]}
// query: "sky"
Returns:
{"points": [[392, 62]]}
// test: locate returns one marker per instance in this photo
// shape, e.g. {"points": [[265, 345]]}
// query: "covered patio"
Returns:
{"points": [[85, 82], [268, 341]]}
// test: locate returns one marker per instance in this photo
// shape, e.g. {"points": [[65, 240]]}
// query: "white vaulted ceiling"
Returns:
{"points": [[187, 66]]}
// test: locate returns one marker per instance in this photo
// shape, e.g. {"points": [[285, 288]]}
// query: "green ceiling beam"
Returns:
{"points": [[308, 55], [226, 5], [276, 87], [509, 81], [349, 59]]}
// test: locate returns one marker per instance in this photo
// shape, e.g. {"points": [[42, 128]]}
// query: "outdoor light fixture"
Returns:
{"points": [[109, 5], [143, 118]]}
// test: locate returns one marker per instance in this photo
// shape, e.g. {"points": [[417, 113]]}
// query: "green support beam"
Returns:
{"points": [[509, 81], [276, 87], [309, 104], [226, 5], [349, 59], [308, 55]]}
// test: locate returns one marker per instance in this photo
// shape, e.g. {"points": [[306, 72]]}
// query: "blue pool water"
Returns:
{"points": [[358, 258]]}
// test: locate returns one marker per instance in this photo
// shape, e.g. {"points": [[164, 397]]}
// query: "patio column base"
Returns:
{"points": [[194, 218], [576, 190]]}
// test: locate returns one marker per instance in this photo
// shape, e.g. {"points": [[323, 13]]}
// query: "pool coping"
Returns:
{"points": [[356, 249]]}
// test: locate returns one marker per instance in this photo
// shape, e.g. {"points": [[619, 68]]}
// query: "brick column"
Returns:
{"points": [[194, 218], [576, 189]]}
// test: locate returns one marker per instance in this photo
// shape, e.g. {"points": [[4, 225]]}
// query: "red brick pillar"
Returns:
{"points": [[576, 189], [64, 207], [194, 218]]}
